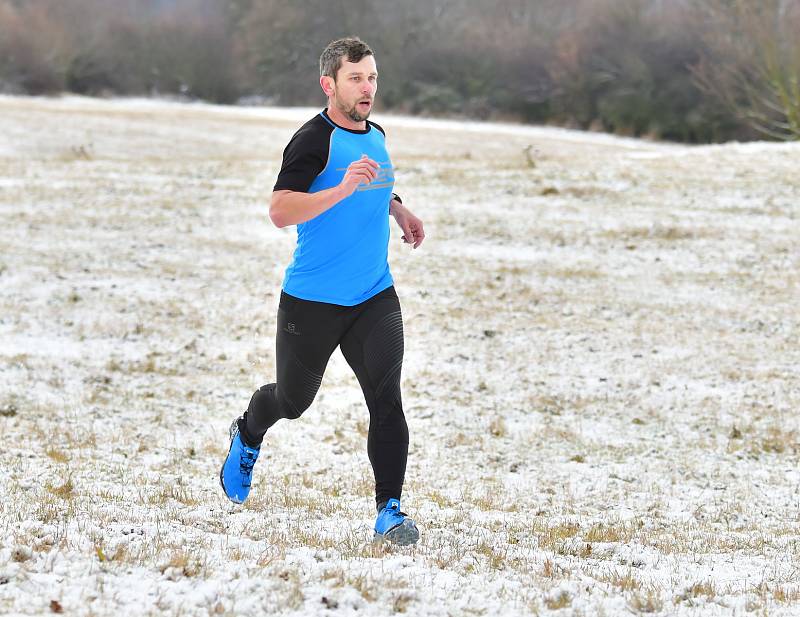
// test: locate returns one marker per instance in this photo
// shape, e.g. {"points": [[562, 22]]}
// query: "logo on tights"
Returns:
{"points": [[291, 329]]}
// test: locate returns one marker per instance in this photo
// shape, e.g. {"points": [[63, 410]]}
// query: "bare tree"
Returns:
{"points": [[752, 62]]}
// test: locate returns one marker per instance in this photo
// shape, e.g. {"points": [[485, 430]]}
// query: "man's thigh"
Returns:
{"points": [[307, 334], [373, 345]]}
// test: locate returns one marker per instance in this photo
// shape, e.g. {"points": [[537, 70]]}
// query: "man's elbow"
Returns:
{"points": [[276, 218], [276, 212]]}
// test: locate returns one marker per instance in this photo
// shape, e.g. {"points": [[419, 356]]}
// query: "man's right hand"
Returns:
{"points": [[362, 171], [294, 207]]}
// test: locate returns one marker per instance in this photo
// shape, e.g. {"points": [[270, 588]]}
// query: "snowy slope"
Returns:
{"points": [[601, 376]]}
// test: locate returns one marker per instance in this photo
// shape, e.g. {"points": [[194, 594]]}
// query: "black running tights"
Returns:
{"points": [[370, 335]]}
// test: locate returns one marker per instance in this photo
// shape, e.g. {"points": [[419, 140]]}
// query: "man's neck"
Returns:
{"points": [[343, 120]]}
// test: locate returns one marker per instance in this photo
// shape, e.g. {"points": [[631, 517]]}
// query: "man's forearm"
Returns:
{"points": [[395, 207], [294, 207]]}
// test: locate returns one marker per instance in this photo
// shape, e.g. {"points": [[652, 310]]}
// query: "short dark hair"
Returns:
{"points": [[352, 48]]}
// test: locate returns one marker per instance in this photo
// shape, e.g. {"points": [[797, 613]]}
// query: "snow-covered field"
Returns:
{"points": [[601, 377]]}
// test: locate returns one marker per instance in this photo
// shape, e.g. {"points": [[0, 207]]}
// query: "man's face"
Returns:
{"points": [[354, 90]]}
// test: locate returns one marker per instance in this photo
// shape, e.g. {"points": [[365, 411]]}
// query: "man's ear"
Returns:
{"points": [[327, 84]]}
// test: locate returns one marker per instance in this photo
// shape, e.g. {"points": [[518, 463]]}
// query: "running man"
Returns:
{"points": [[336, 185]]}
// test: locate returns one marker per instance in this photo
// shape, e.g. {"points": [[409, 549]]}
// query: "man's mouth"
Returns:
{"points": [[365, 104]]}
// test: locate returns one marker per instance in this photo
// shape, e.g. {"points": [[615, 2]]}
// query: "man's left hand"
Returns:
{"points": [[413, 232]]}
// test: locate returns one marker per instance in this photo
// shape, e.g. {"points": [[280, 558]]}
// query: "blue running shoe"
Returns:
{"points": [[395, 526], [237, 470]]}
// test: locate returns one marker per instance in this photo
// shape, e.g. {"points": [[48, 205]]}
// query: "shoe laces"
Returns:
{"points": [[395, 512], [246, 461]]}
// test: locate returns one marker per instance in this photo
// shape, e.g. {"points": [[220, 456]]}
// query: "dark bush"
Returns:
{"points": [[634, 67]]}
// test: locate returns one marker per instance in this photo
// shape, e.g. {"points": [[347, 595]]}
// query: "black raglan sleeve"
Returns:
{"points": [[305, 157]]}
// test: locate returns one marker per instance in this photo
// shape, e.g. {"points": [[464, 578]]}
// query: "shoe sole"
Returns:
{"points": [[222, 484], [232, 432], [405, 534]]}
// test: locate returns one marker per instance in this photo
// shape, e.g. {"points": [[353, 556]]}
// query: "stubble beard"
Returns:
{"points": [[357, 117], [353, 112]]}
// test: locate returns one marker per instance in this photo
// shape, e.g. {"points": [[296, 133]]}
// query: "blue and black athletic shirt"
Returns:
{"points": [[341, 254]]}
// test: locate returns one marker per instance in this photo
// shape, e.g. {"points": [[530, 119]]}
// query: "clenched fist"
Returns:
{"points": [[362, 171]]}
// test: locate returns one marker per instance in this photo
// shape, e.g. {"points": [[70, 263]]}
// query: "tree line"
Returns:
{"points": [[683, 70]]}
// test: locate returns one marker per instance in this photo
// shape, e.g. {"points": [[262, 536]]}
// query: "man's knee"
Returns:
{"points": [[390, 426], [263, 400], [292, 407], [270, 397], [298, 386], [389, 414]]}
